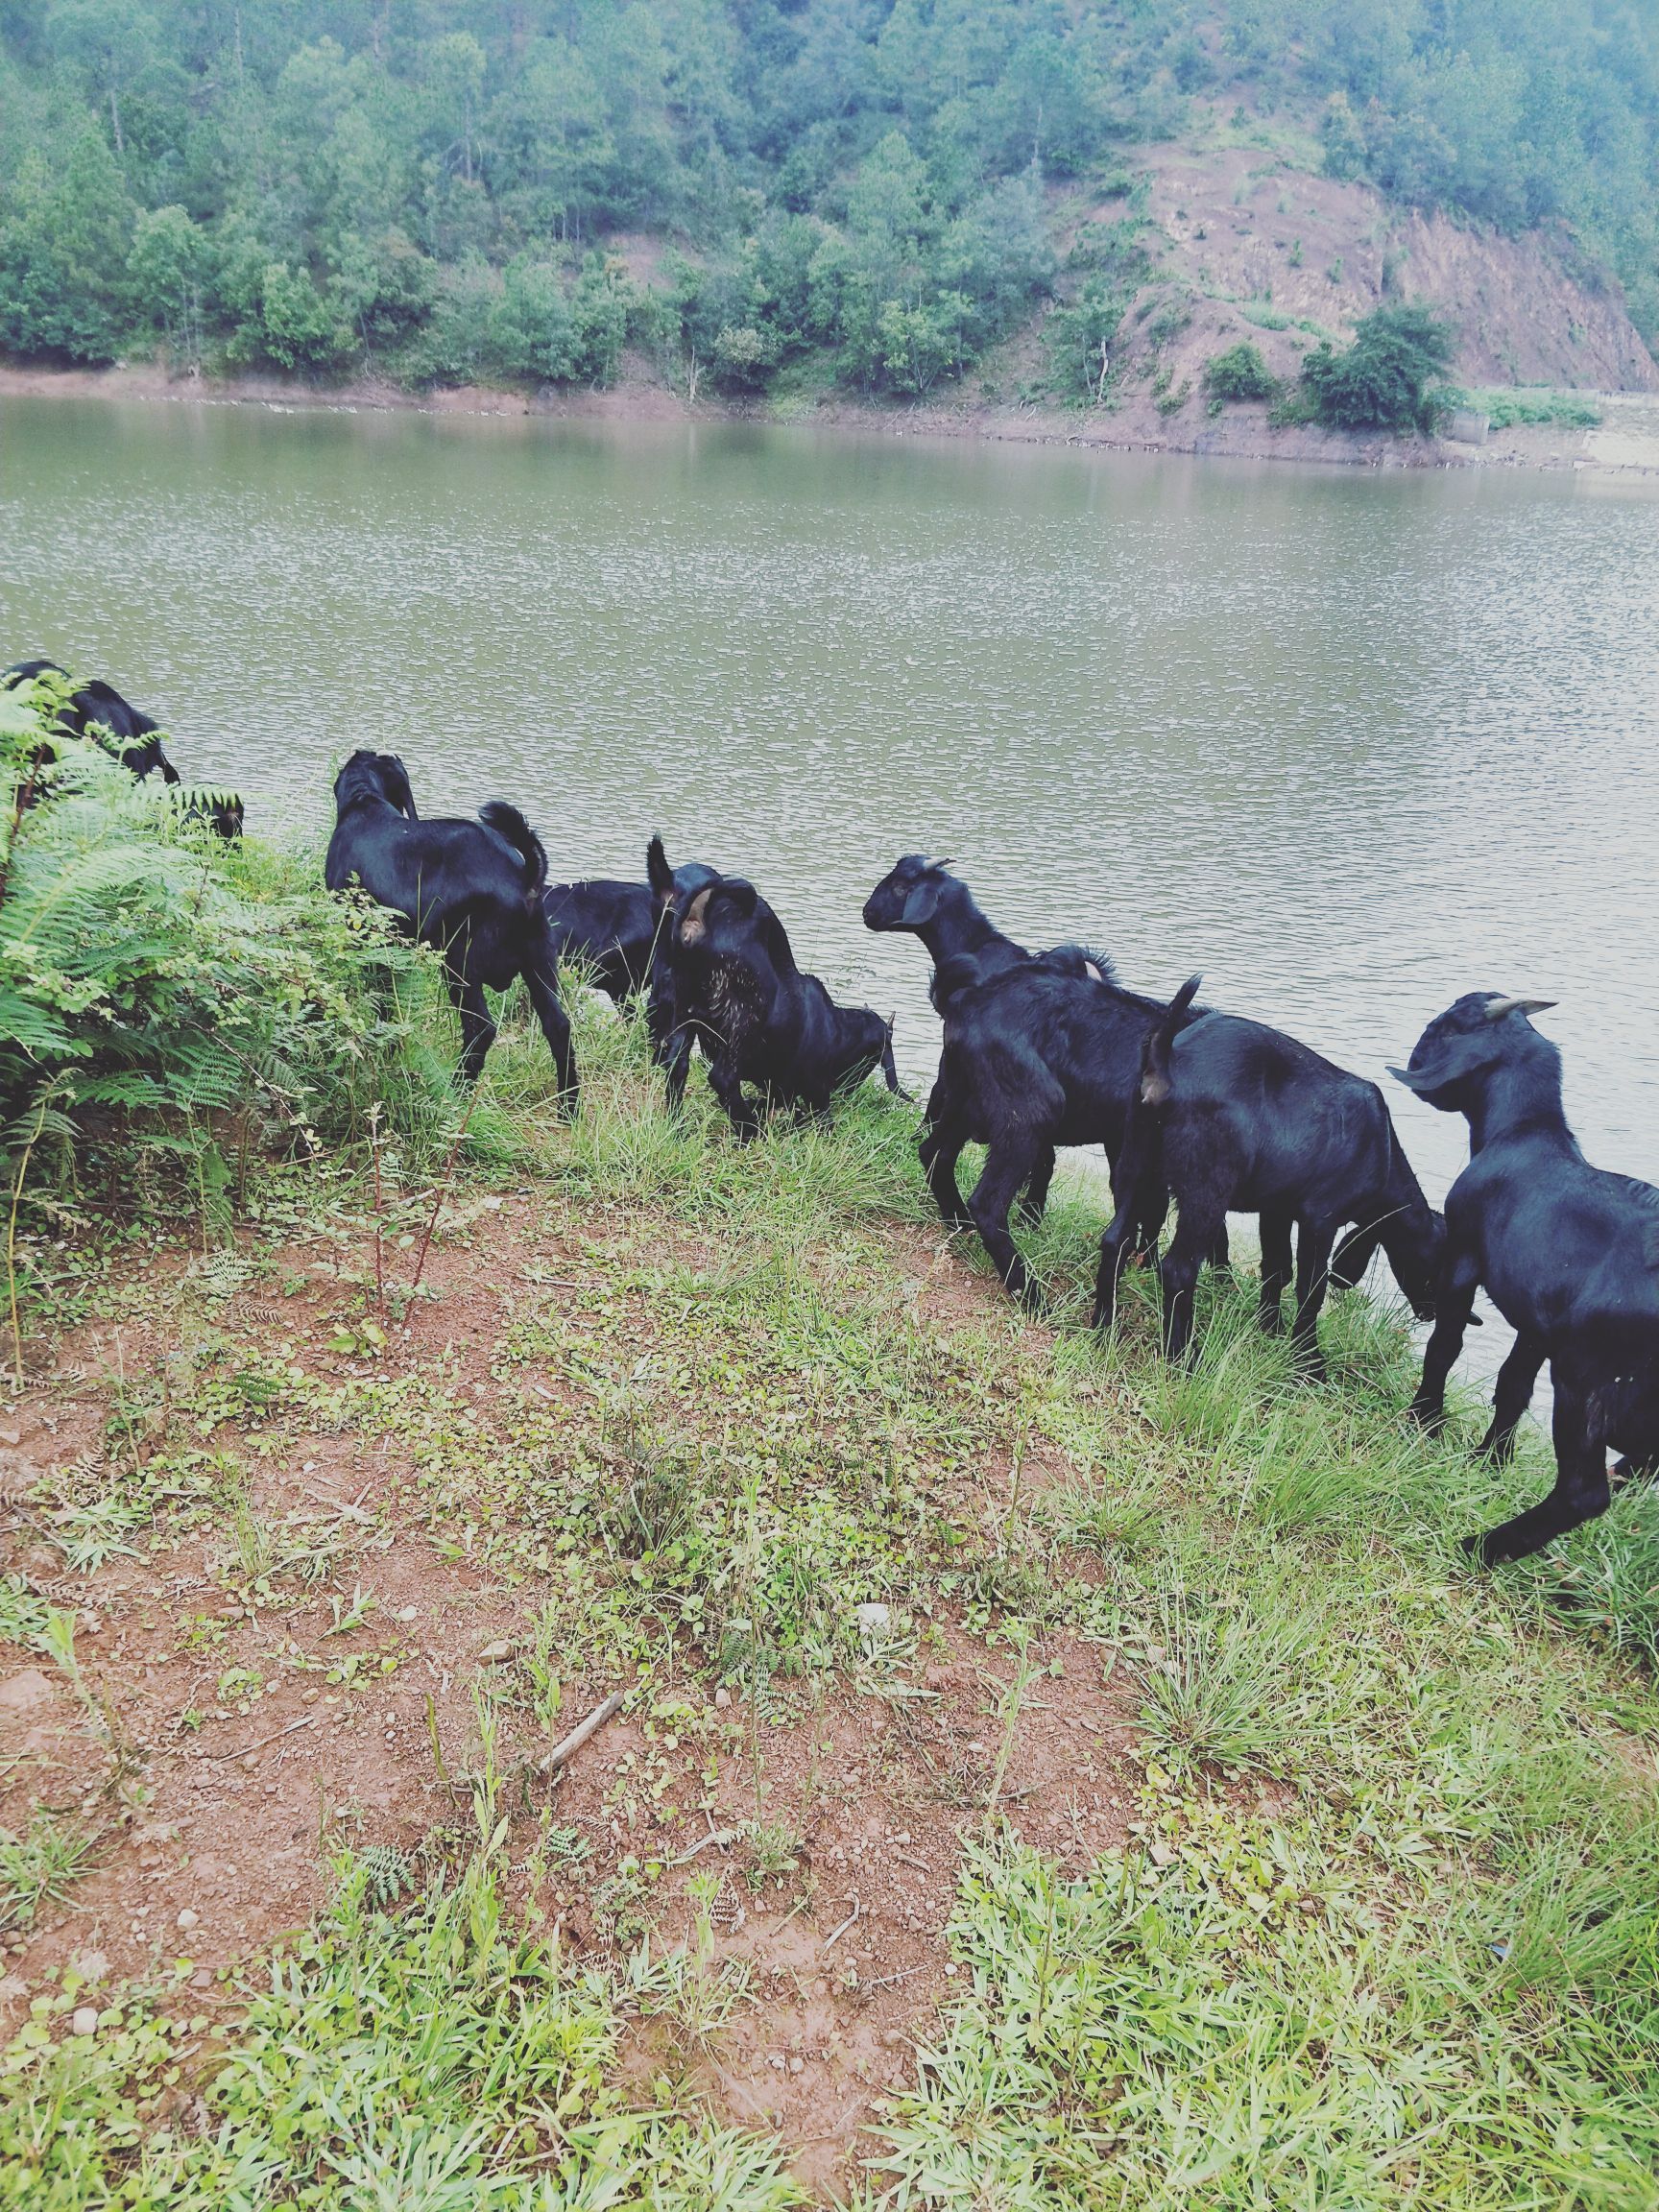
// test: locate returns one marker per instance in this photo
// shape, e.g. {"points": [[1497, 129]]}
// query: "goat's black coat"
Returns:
{"points": [[1232, 1117], [1567, 1253], [609, 925], [473, 889], [759, 1017], [1044, 1054], [133, 737]]}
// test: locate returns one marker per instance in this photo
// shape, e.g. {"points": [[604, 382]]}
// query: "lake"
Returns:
{"points": [[1350, 741]]}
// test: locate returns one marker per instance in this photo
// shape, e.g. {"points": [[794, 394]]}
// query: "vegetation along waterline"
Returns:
{"points": [[1043, 1776], [1020, 207]]}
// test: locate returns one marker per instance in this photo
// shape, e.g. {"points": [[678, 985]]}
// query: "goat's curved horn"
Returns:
{"points": [[1496, 1008], [947, 862]]}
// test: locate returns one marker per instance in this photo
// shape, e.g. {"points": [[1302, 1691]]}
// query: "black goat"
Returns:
{"points": [[673, 1032], [98, 711], [920, 896], [1232, 1117], [1045, 1053], [759, 1019], [473, 889], [1567, 1253]]}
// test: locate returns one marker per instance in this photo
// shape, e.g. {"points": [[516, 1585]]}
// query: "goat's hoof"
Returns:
{"points": [[1474, 1548]]}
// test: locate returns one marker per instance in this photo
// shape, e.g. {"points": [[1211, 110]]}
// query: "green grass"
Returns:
{"points": [[1386, 1926], [442, 2059]]}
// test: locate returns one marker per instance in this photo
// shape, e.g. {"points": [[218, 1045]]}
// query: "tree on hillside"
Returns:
{"points": [[1388, 379]]}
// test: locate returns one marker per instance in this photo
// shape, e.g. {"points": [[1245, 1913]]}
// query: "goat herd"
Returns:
{"points": [[1218, 1114]]}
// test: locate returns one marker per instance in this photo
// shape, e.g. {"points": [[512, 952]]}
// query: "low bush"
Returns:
{"points": [[1241, 373]]}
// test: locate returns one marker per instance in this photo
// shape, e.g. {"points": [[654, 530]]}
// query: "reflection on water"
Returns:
{"points": [[1352, 743]]}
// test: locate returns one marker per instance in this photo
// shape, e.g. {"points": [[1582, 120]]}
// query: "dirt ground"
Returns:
{"points": [[222, 1742]]}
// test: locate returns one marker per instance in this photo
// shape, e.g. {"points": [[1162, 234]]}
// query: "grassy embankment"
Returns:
{"points": [[1348, 1897]]}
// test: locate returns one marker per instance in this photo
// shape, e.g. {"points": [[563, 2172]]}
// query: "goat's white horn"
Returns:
{"points": [[1496, 1008]]}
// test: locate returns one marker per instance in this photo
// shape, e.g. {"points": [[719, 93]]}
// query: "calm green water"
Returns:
{"points": [[1351, 743]]}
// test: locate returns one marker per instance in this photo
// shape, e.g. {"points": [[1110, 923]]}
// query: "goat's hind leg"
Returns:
{"points": [[1516, 1379], [1581, 1487], [1178, 1277], [477, 1030], [556, 1028]]}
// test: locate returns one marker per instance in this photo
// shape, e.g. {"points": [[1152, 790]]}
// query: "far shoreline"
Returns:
{"points": [[1241, 434]]}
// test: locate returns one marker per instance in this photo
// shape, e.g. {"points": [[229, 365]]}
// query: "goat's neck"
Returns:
{"points": [[1518, 1100], [958, 927]]}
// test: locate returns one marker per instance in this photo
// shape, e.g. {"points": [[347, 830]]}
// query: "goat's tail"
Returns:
{"points": [[507, 821], [1155, 1056]]}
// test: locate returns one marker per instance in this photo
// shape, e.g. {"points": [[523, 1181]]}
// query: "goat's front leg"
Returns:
{"points": [[1582, 1489], [1516, 1380], [726, 1086], [1277, 1267], [1036, 1192], [1315, 1238], [1114, 1247], [1453, 1304], [1006, 1167], [939, 1150]]}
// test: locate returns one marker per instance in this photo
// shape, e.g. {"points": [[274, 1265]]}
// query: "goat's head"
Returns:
{"points": [[908, 896], [1477, 1033], [374, 775]]}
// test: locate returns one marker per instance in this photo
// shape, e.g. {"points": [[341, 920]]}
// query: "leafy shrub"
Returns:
{"points": [[1572, 409], [1386, 379], [160, 987], [1241, 373]]}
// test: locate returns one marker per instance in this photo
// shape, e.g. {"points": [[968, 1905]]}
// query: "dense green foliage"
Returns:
{"points": [[1241, 373], [163, 996], [1388, 379], [431, 191]]}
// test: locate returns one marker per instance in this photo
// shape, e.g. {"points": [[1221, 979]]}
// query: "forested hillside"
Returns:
{"points": [[449, 191]]}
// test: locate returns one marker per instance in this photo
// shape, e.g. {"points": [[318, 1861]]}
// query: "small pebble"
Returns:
{"points": [[797, 2065], [493, 1653], [722, 1698], [187, 1917], [84, 2021]]}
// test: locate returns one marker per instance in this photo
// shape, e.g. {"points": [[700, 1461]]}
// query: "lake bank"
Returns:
{"points": [[1625, 445], [990, 1698]]}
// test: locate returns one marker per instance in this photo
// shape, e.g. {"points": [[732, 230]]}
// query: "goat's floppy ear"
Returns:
{"points": [[737, 893], [923, 901], [1450, 1059]]}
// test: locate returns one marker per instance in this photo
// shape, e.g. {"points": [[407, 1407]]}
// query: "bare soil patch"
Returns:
{"points": [[225, 1737]]}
